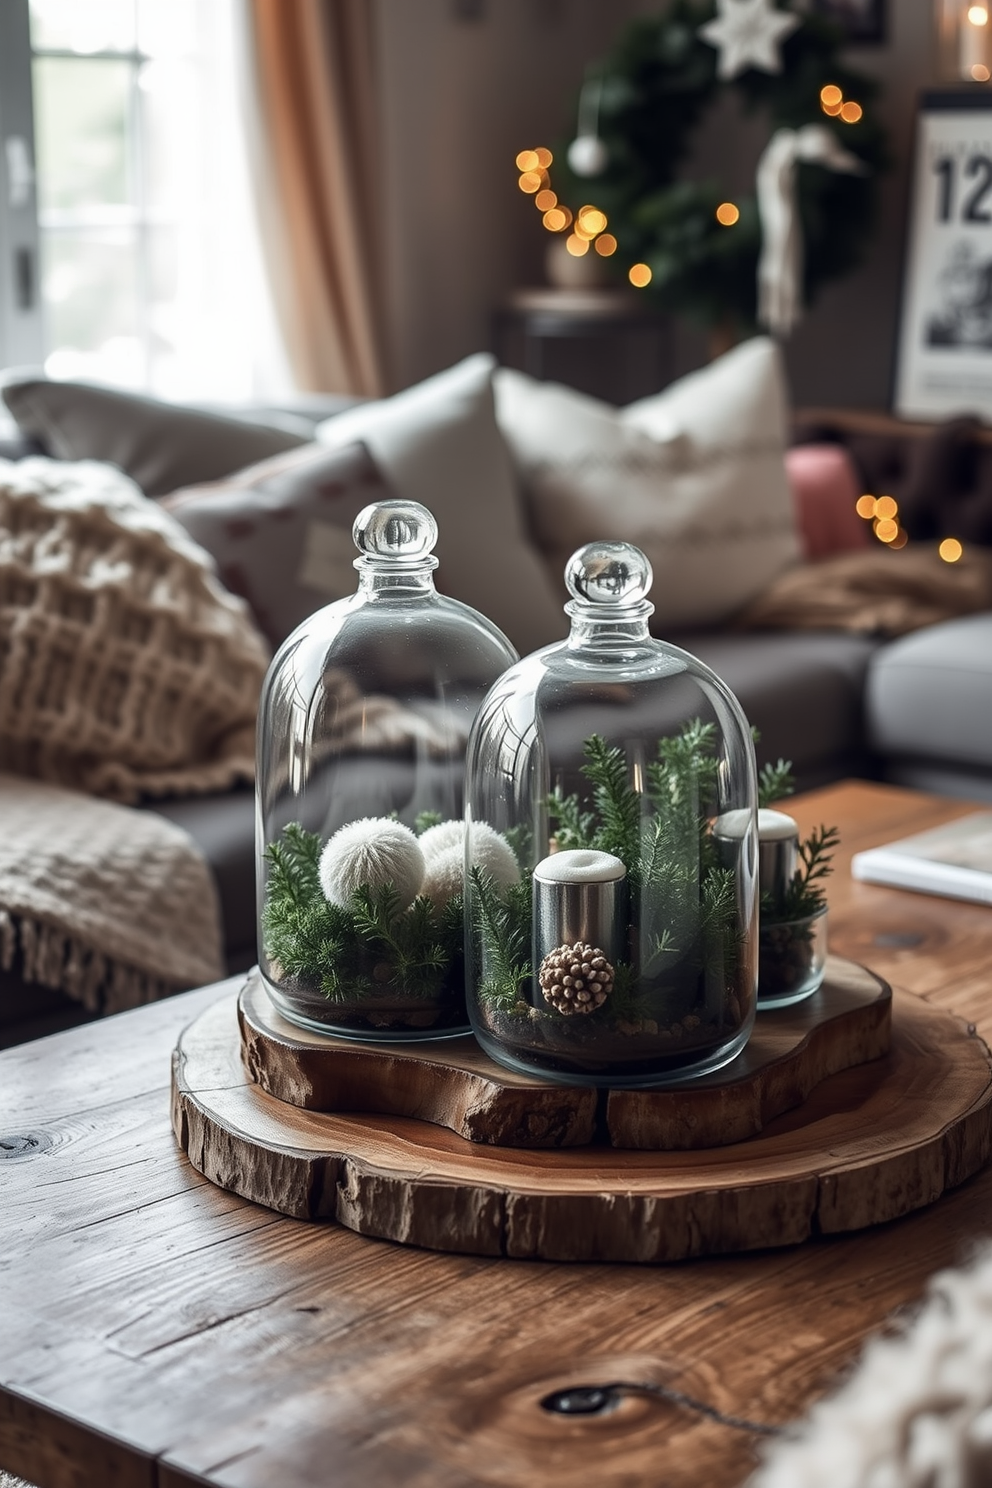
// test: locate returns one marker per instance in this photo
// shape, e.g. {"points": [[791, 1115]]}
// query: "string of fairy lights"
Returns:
{"points": [[586, 228]]}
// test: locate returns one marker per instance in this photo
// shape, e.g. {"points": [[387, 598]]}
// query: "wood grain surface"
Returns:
{"points": [[454, 1084], [157, 1331], [872, 1144]]}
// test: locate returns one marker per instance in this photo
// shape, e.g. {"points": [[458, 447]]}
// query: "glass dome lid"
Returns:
{"points": [[363, 721], [625, 952]]}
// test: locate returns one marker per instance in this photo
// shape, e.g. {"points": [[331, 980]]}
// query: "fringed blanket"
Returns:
{"points": [[112, 906]]}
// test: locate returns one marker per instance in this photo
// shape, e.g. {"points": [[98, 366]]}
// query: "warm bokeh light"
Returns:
{"points": [[555, 220], [886, 530], [590, 221], [545, 200], [531, 181], [900, 540], [528, 160], [639, 275], [544, 157], [577, 246], [950, 550], [605, 244], [831, 96], [978, 15], [727, 214], [980, 72], [886, 507], [833, 109], [865, 506], [851, 112]]}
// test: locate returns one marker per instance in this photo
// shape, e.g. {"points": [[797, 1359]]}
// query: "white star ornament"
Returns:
{"points": [[748, 33]]}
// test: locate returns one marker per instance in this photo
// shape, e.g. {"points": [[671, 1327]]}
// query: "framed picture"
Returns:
{"points": [[860, 20], [944, 352]]}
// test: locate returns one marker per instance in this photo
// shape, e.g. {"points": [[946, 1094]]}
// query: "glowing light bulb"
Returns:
{"points": [[605, 244], [978, 15], [980, 72], [865, 507], [851, 112], [544, 157], [886, 529], [555, 220], [900, 540], [590, 221], [577, 246], [639, 275], [545, 200], [886, 508], [528, 160], [950, 550], [727, 214], [530, 182], [831, 96]]}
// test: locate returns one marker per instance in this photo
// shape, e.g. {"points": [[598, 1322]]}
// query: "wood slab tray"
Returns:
{"points": [[453, 1083], [870, 1144]]}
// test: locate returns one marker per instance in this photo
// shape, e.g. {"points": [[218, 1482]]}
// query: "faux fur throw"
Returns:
{"points": [[917, 1410], [113, 906], [125, 667], [875, 592]]}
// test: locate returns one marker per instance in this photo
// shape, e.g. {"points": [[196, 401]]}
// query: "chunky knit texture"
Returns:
{"points": [[112, 906], [125, 668]]}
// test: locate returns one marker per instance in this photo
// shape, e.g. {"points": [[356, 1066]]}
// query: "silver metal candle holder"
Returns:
{"points": [[581, 895]]}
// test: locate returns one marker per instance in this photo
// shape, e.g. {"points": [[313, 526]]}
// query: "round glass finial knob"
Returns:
{"points": [[395, 530], [608, 573]]}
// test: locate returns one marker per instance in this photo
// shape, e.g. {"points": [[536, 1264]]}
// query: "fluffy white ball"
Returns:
{"points": [[372, 853], [445, 856], [587, 155], [439, 839]]}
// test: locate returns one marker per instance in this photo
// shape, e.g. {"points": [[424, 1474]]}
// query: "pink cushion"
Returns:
{"points": [[825, 488]]}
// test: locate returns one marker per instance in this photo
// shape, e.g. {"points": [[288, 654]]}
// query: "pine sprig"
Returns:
{"points": [[775, 782], [617, 804], [504, 926], [806, 894]]}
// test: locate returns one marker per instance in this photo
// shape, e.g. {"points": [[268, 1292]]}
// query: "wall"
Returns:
{"points": [[468, 83]]}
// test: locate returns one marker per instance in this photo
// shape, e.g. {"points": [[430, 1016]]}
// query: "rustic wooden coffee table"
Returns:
{"points": [[157, 1331]]}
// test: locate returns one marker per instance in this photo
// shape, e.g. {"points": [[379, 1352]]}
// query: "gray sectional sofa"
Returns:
{"points": [[917, 710]]}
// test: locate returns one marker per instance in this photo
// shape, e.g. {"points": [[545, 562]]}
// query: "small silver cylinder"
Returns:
{"points": [[778, 847], [581, 895]]}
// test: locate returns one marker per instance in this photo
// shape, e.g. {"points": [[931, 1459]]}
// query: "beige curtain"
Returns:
{"points": [[317, 166]]}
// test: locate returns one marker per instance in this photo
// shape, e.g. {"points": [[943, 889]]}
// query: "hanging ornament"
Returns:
{"points": [[748, 33], [587, 155], [780, 265]]}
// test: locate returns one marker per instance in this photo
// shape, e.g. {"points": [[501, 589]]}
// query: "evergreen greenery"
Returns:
{"points": [[658, 84], [369, 948]]}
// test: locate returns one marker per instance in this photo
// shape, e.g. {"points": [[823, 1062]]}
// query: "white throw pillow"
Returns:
{"points": [[438, 443], [694, 475]]}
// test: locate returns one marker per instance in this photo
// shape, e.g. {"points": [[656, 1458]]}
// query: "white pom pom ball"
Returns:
{"points": [[445, 855], [440, 838], [587, 155], [372, 853]]}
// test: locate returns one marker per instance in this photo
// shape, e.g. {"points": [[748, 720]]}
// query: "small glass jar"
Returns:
{"points": [[792, 957], [623, 952], [362, 727]]}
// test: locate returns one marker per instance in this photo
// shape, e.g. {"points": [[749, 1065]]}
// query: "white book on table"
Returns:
{"points": [[954, 860]]}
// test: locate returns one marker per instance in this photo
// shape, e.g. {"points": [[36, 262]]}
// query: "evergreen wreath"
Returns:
{"points": [[654, 89]]}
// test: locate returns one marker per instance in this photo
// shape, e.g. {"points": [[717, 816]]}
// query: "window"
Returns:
{"points": [[149, 267]]}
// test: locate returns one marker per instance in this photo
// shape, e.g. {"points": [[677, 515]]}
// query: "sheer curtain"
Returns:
{"points": [[313, 142]]}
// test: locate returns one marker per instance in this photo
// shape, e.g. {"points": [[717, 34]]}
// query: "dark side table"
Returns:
{"points": [[605, 342]]}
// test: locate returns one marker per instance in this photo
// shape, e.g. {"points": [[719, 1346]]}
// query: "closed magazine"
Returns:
{"points": [[954, 860]]}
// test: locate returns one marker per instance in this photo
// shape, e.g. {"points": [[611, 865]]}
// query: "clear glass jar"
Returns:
{"points": [[362, 727], [625, 954]]}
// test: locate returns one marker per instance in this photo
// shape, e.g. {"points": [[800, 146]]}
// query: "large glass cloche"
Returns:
{"points": [[623, 952], [364, 717]]}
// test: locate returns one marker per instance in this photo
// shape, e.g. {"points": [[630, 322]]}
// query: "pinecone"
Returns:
{"points": [[575, 978]]}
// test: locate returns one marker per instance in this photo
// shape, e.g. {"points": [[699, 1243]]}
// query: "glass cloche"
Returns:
{"points": [[362, 727], [621, 950]]}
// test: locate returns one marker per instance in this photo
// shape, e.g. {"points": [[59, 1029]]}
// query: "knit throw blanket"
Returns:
{"points": [[126, 669], [113, 906]]}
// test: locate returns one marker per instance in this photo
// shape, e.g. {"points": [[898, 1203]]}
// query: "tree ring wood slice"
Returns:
{"points": [[868, 1145], [453, 1083]]}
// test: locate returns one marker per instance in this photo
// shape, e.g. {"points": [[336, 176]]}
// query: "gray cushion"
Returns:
{"points": [[802, 690], [280, 532], [929, 694], [159, 445]]}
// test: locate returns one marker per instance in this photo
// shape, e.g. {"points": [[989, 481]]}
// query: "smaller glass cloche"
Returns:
{"points": [[362, 727], [621, 949]]}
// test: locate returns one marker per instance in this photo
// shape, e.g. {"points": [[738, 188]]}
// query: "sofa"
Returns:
{"points": [[836, 702]]}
